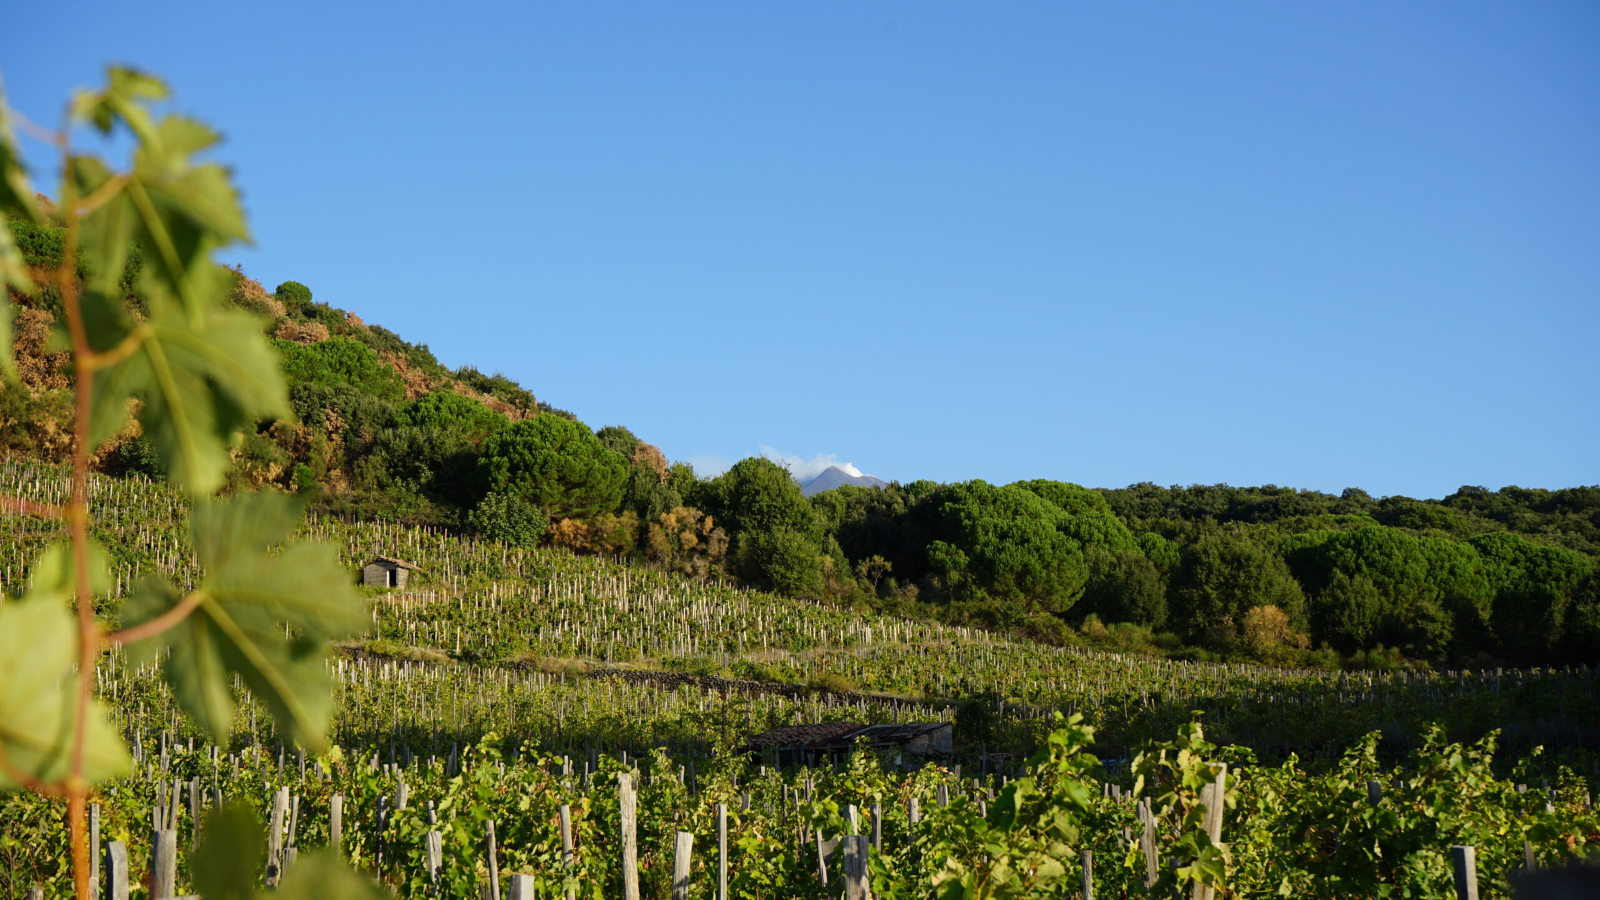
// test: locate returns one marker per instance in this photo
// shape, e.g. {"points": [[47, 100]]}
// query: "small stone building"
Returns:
{"points": [[385, 571], [823, 742]]}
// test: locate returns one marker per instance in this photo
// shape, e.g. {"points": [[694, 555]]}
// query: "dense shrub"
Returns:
{"points": [[293, 295], [508, 518]]}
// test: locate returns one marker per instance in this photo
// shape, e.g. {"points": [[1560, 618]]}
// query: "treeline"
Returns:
{"points": [[383, 430]]}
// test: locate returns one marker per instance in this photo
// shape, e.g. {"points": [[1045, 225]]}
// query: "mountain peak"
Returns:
{"points": [[833, 477]]}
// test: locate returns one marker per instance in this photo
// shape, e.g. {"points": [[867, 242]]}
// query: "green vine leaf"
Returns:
{"points": [[229, 855], [38, 687], [322, 874], [242, 607], [201, 383], [175, 208]]}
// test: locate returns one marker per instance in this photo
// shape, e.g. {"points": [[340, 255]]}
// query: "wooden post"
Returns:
{"points": [[116, 872], [280, 803], [494, 865], [855, 867], [681, 857], [1088, 875], [519, 887], [1465, 862], [877, 827], [1212, 796], [1147, 844], [36, 893], [164, 865], [435, 859], [630, 843], [566, 846], [336, 824], [915, 812], [1528, 861], [1374, 792], [722, 849], [94, 848]]}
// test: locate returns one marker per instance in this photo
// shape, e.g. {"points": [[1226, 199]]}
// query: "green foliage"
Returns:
{"points": [[781, 559], [1006, 543], [1125, 587], [1533, 587], [340, 361], [1222, 577], [509, 519], [38, 697], [555, 464], [451, 417], [239, 612], [294, 295], [757, 495]]}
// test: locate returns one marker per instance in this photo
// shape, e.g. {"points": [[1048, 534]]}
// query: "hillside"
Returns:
{"points": [[382, 431], [548, 624]]}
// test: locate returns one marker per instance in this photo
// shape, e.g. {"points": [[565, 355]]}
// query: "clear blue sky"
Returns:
{"points": [[1311, 244]]}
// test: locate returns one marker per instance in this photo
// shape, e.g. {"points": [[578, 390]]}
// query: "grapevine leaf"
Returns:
{"points": [[176, 209], [38, 688], [201, 382], [229, 855], [322, 874], [126, 97], [243, 607]]}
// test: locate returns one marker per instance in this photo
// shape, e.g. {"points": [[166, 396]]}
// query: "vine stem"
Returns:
{"points": [[77, 513]]}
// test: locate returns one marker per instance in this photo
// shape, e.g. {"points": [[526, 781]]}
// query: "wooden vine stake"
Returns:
{"points": [[630, 837], [1464, 859], [722, 849], [1213, 797], [681, 858], [116, 871]]}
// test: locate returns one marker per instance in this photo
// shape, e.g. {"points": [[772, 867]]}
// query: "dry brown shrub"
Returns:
{"points": [[651, 456], [39, 370], [301, 332], [688, 541], [605, 533], [249, 294], [509, 410], [417, 383], [1267, 629]]}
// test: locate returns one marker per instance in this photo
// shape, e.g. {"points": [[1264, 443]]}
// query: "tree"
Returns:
{"points": [[757, 495], [1222, 577], [781, 559], [1533, 586], [508, 518], [557, 465], [1125, 587], [1006, 543], [1434, 593], [1348, 613]]}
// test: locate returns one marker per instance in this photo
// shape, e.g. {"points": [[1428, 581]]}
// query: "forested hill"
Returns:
{"points": [[1277, 575]]}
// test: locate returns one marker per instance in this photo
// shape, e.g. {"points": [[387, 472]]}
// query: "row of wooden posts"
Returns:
{"points": [[855, 849]]}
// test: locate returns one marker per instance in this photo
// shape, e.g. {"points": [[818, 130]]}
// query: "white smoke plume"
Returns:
{"points": [[803, 470]]}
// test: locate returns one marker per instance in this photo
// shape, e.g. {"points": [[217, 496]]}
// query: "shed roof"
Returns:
{"points": [[803, 735], [392, 561], [835, 734], [896, 733]]}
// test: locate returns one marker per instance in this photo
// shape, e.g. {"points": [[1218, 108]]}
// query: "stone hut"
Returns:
{"points": [[386, 571], [827, 741]]}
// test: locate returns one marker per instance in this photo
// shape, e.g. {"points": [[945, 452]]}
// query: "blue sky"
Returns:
{"points": [[1316, 244]]}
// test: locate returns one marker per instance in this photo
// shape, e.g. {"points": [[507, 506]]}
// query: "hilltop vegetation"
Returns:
{"points": [[382, 430]]}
